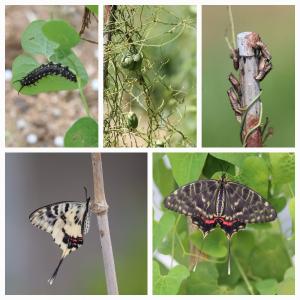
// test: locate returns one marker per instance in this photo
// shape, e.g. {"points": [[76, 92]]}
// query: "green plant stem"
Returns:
{"points": [[82, 97], [291, 190], [232, 26], [165, 43], [244, 276], [173, 239]]}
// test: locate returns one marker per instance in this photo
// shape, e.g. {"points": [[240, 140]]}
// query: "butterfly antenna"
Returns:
{"points": [[50, 280], [229, 257], [85, 191]]}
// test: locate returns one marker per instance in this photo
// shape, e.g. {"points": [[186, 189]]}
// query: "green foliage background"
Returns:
{"points": [[276, 25], [262, 254]]}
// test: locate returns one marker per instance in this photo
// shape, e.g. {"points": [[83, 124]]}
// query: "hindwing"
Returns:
{"points": [[65, 221]]}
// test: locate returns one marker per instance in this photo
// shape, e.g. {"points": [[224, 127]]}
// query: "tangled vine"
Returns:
{"points": [[143, 108]]}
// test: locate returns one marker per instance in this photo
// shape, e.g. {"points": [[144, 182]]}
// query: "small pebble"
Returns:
{"points": [[56, 112], [59, 141], [31, 138], [21, 124], [8, 74], [95, 85]]}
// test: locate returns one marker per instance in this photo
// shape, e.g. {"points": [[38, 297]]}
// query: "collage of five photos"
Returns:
{"points": [[156, 141]]}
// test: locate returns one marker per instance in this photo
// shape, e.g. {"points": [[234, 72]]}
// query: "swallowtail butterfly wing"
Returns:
{"points": [[230, 205], [67, 222]]}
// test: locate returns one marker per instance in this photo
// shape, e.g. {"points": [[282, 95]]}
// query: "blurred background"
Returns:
{"points": [[276, 26], [42, 120], [35, 180]]}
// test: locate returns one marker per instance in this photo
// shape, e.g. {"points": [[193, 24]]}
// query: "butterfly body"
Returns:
{"points": [[67, 222]]}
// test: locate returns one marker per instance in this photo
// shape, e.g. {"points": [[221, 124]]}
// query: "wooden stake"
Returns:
{"points": [[250, 88], [100, 208]]}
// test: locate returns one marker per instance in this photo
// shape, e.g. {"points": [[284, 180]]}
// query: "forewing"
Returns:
{"points": [[63, 221], [194, 199], [246, 205]]}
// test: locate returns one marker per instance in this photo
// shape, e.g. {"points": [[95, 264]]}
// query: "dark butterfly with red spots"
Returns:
{"points": [[230, 205]]}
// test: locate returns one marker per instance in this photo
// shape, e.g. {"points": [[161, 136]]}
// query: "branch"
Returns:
{"points": [[100, 208], [110, 22], [250, 89]]}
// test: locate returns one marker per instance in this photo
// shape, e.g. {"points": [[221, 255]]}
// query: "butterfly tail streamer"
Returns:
{"points": [[229, 257], [50, 280]]}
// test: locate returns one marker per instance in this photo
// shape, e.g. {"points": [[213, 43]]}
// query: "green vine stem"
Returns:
{"points": [[244, 276], [82, 97]]}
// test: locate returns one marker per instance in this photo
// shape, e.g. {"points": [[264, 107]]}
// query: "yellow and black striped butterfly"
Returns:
{"points": [[67, 222]]}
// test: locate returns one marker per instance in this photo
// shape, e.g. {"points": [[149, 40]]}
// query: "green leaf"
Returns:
{"points": [[236, 159], [168, 284], [283, 167], [204, 281], [255, 174], [93, 9], [287, 286], [186, 167], [269, 258], [62, 33], [161, 228], [23, 65], [292, 212], [290, 273], [267, 287], [243, 243], [278, 203], [83, 133], [240, 289], [214, 244], [213, 165], [162, 175], [33, 40], [72, 61]]}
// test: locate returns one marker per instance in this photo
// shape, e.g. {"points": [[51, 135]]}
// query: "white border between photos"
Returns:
{"points": [[199, 4]]}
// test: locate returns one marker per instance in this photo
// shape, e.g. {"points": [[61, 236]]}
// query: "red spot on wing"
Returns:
{"points": [[210, 221], [229, 223], [216, 219]]}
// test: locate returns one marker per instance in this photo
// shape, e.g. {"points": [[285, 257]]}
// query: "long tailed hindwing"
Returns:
{"points": [[64, 221]]}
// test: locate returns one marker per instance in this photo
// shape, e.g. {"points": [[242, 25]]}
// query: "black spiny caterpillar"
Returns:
{"points": [[45, 70]]}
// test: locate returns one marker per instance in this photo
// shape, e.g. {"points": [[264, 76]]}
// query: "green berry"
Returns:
{"points": [[159, 144], [132, 120]]}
